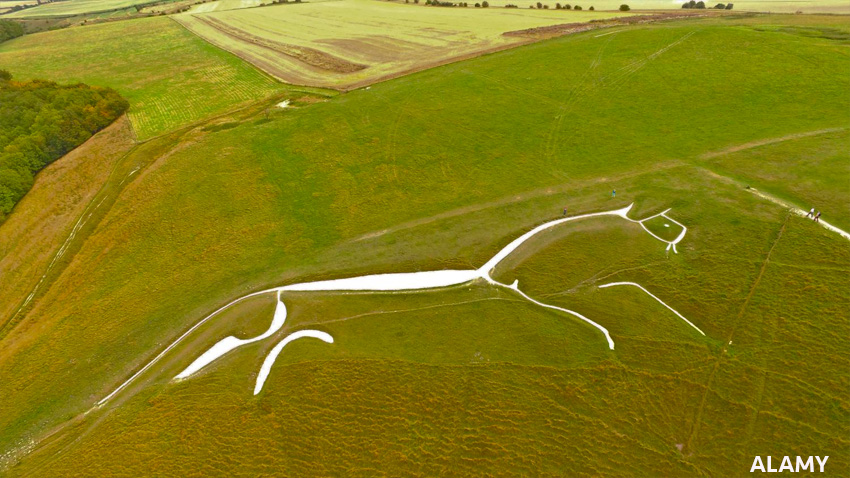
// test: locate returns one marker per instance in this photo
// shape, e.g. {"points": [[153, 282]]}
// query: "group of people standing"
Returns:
{"points": [[814, 215]]}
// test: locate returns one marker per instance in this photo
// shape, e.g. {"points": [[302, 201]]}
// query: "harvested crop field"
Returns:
{"points": [[353, 43], [75, 7]]}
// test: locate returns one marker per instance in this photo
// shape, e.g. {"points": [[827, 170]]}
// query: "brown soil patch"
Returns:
{"points": [[310, 56], [375, 49]]}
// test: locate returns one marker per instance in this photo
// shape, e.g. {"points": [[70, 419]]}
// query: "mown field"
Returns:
{"points": [[353, 43], [437, 170], [74, 7], [171, 77]]}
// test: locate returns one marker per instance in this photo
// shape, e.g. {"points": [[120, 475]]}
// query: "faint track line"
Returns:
{"points": [[695, 427]]}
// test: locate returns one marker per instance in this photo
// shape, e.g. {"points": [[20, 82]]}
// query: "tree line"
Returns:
{"points": [[40, 121], [701, 5], [9, 30]]}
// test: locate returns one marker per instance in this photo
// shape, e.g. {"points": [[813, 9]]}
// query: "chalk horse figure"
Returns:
{"points": [[394, 282]]}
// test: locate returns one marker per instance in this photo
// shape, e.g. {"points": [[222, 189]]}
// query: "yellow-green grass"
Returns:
{"points": [[386, 38], [468, 371], [171, 77], [810, 171], [41, 228], [440, 170]]}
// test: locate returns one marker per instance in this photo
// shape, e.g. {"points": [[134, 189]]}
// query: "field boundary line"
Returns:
{"points": [[768, 141]]}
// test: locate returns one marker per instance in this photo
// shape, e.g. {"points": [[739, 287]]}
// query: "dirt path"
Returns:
{"points": [[764, 142]]}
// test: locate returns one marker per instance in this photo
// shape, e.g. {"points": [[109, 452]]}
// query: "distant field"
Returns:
{"points": [[440, 169], [74, 7], [356, 42], [171, 77], [777, 6]]}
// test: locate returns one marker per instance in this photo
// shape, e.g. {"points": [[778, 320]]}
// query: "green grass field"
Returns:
{"points": [[171, 77], [357, 42], [437, 170]]}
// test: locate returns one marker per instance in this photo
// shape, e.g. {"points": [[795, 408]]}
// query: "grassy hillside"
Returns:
{"points": [[357, 42], [171, 77], [812, 170], [439, 170]]}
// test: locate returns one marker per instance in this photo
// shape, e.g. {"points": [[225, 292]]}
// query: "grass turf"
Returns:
{"points": [[440, 170]]}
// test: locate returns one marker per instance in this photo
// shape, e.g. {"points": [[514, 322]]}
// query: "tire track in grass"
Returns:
{"points": [[618, 78], [580, 89], [695, 426]]}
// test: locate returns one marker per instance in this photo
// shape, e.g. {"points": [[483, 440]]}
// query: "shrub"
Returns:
{"points": [[591, 8], [568, 7], [625, 8], [539, 5], [701, 5], [728, 6], [9, 30], [484, 4], [557, 6], [577, 7]]}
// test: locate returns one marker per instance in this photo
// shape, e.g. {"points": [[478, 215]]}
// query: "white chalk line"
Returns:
{"points": [[670, 244], [229, 343], [799, 212], [515, 287], [380, 282], [179, 339], [656, 298], [81, 221], [272, 356]]}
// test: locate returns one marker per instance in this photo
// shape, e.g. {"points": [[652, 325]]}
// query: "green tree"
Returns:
{"points": [[10, 29], [41, 121]]}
